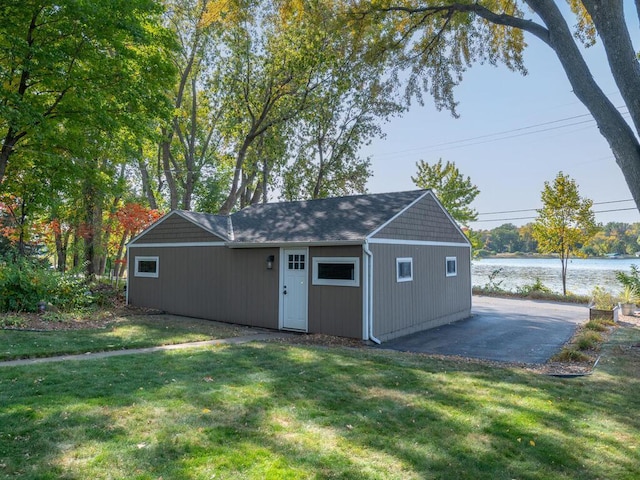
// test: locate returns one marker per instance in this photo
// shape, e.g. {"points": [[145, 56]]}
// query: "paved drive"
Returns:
{"points": [[506, 330]]}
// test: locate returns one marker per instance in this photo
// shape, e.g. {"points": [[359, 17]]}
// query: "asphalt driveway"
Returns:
{"points": [[506, 330]]}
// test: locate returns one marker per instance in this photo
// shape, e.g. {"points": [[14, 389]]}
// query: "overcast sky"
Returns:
{"points": [[514, 133]]}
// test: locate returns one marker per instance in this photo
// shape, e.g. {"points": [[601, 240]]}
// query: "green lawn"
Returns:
{"points": [[279, 411], [135, 331]]}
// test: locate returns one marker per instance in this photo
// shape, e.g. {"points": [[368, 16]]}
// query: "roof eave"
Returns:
{"points": [[295, 244]]}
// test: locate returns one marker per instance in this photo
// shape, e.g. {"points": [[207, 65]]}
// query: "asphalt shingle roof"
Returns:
{"points": [[325, 220], [336, 219], [216, 224]]}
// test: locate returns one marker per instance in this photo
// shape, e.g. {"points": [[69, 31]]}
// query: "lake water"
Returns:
{"points": [[582, 273]]}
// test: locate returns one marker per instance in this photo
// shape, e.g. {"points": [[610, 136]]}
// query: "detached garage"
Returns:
{"points": [[373, 267]]}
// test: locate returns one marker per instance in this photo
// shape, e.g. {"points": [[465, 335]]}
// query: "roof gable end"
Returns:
{"points": [[184, 226]]}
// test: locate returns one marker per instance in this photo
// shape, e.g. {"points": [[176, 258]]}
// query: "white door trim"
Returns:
{"points": [[305, 299]]}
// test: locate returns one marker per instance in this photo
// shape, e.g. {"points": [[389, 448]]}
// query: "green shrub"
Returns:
{"points": [[533, 288], [11, 321], [630, 280], [24, 285]]}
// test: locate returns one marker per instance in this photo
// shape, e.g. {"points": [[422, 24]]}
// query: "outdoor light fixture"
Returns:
{"points": [[270, 260]]}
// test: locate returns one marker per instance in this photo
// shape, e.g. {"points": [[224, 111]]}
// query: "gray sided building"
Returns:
{"points": [[373, 267]]}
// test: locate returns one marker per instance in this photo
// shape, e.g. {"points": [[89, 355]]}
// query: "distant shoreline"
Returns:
{"points": [[545, 256]]}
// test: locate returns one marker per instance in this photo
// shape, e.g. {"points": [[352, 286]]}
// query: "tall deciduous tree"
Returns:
{"points": [[441, 38], [454, 191], [275, 60], [565, 222], [345, 112], [187, 149]]}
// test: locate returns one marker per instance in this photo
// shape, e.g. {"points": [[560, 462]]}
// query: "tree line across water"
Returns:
{"points": [[612, 238]]}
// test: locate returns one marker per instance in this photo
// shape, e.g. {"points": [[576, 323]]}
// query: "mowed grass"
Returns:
{"points": [[136, 331], [279, 411]]}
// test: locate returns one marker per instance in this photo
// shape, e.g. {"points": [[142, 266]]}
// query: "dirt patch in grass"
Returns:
{"points": [[52, 320]]}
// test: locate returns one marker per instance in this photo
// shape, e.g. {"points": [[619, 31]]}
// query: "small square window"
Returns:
{"points": [[452, 266], [404, 269], [146, 267]]}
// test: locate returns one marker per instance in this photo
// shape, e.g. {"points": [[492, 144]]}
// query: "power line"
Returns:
{"points": [[535, 209], [487, 138], [532, 218]]}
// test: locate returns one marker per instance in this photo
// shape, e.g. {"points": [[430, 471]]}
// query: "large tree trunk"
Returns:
{"points": [[234, 191], [610, 122], [62, 243], [168, 172], [9, 143], [146, 182]]}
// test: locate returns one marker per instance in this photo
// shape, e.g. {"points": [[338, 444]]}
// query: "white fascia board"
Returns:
{"points": [[397, 215], [177, 244], [338, 243], [393, 241]]}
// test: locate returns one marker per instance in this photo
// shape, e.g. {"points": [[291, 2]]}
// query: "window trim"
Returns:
{"points": [[455, 263], [355, 282], [400, 260], [138, 273]]}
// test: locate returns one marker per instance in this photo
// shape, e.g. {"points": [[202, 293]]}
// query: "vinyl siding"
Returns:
{"points": [[175, 229], [335, 310], [424, 221], [214, 283], [431, 299]]}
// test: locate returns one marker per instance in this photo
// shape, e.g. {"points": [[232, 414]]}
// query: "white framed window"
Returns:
{"points": [[337, 271], [146, 267], [452, 266], [404, 269]]}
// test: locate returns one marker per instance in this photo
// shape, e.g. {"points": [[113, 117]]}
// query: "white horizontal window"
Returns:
{"points": [[146, 267], [452, 266], [338, 271], [404, 269]]}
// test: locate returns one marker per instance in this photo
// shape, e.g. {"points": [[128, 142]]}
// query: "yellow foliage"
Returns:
{"points": [[224, 12], [291, 10]]}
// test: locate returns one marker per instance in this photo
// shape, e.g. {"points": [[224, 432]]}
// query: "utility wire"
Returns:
{"points": [[487, 138], [535, 209], [532, 218]]}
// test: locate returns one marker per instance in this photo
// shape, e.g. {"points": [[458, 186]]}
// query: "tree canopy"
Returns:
{"points": [[67, 66], [438, 40], [455, 192]]}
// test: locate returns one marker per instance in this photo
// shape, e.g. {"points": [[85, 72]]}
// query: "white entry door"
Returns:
{"points": [[294, 289]]}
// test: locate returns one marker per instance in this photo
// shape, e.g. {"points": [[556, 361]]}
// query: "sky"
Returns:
{"points": [[514, 133]]}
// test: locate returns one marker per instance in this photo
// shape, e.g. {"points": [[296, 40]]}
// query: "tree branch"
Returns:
{"points": [[482, 12]]}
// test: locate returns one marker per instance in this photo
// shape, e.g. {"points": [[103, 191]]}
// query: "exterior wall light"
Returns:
{"points": [[270, 260]]}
